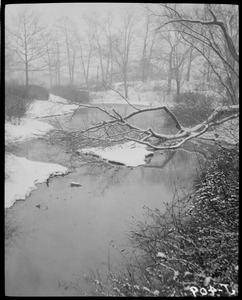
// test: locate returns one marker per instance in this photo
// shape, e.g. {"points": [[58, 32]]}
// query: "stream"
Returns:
{"points": [[61, 232]]}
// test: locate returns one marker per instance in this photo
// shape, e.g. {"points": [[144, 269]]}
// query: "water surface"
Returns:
{"points": [[61, 232]]}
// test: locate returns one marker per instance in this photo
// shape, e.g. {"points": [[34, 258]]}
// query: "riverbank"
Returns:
{"points": [[36, 124], [29, 128], [82, 226], [187, 253], [78, 225], [21, 174]]}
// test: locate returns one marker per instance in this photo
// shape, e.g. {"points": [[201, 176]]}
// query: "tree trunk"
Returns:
{"points": [[143, 68], [177, 90], [88, 67], [169, 83], [97, 75], [169, 75], [108, 64], [111, 71], [100, 56], [149, 58], [189, 66], [26, 75], [51, 80], [126, 90], [111, 53], [58, 65], [125, 83], [58, 73]]}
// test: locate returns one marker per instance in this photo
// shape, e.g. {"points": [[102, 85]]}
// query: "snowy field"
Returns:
{"points": [[23, 175]]}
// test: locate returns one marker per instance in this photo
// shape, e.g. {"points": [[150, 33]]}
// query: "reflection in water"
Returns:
{"points": [[54, 247]]}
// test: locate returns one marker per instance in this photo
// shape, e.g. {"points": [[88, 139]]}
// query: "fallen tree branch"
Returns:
{"points": [[119, 128]]}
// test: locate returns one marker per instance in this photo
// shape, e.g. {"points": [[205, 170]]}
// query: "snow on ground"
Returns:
{"points": [[58, 99], [23, 174], [27, 129], [55, 106], [130, 154], [148, 98], [139, 94]]}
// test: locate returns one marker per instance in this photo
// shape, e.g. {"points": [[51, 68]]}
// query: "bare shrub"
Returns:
{"points": [[38, 92], [193, 245], [17, 101], [70, 93], [192, 108]]}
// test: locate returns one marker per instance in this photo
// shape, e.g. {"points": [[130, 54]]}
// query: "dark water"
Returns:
{"points": [[59, 233]]}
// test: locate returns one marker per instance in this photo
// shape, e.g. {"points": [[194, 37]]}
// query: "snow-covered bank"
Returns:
{"points": [[23, 174], [227, 132], [27, 129], [55, 106], [140, 93], [129, 154], [112, 97]]}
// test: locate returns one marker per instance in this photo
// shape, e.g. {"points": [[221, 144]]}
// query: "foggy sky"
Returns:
{"points": [[53, 11]]}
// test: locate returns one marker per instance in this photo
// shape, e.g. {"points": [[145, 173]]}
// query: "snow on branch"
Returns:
{"points": [[215, 21], [120, 129]]}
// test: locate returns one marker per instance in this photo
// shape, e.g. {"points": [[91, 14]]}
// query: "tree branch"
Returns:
{"points": [[150, 137], [216, 22]]}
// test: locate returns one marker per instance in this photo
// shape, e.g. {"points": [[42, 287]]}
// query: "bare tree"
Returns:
{"points": [[213, 32], [178, 60], [25, 38], [48, 58], [10, 59], [122, 45], [85, 41], [57, 58], [67, 45], [71, 50], [109, 49], [117, 128], [98, 35], [148, 46], [191, 56], [176, 56], [101, 41]]}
